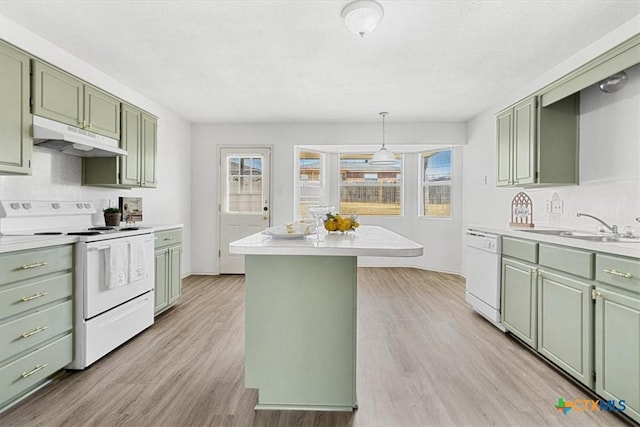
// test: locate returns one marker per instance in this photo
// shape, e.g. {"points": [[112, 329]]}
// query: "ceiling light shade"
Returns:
{"points": [[383, 156], [614, 83], [362, 16]]}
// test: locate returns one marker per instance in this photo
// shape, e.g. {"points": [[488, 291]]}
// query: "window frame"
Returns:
{"points": [[421, 213], [369, 154]]}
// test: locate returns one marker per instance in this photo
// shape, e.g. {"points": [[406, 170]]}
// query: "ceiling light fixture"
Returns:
{"points": [[362, 16], [614, 82], [383, 156]]}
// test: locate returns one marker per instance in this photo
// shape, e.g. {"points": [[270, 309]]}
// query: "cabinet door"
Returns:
{"points": [[149, 150], [175, 280], [57, 95], [101, 112], [519, 300], [565, 324], [504, 133], [161, 297], [524, 142], [15, 118], [131, 133], [617, 343]]}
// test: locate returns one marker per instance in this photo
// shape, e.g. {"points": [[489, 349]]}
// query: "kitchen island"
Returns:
{"points": [[301, 310]]}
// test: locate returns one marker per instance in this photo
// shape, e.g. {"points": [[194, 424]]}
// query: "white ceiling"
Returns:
{"points": [[295, 61]]}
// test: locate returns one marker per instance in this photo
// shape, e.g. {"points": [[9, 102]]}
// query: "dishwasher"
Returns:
{"points": [[483, 274]]}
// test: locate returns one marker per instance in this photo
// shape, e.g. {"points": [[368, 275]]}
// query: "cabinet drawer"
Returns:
{"points": [[24, 265], [22, 374], [521, 249], [618, 271], [572, 261], [168, 238], [29, 331], [19, 299]]}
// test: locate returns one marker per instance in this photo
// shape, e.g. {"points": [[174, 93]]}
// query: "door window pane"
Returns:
{"points": [[436, 183], [309, 181], [368, 189], [244, 183]]}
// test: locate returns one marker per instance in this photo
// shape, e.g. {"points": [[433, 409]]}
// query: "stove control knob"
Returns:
{"points": [[80, 205], [27, 206], [55, 205], [87, 205], [15, 206]]}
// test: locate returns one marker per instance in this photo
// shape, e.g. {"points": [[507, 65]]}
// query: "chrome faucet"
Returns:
{"points": [[612, 228]]}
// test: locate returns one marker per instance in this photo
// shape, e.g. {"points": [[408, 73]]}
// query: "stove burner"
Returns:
{"points": [[130, 229], [48, 233], [101, 228], [84, 233]]}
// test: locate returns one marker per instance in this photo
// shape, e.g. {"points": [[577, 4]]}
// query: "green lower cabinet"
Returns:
{"points": [[174, 285], [161, 297], [168, 257], [519, 300], [617, 343], [565, 324]]}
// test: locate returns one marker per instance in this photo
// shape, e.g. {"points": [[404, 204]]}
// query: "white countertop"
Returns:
{"points": [[630, 249], [163, 227], [367, 240], [21, 243]]}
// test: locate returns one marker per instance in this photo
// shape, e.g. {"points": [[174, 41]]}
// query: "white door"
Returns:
{"points": [[244, 200]]}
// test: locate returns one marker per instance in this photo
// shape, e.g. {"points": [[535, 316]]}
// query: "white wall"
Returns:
{"points": [[441, 238], [57, 176], [609, 154]]}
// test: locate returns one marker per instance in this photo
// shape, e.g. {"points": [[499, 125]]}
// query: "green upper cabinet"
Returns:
{"points": [[537, 146], [132, 142], [101, 112], [64, 98], [16, 144], [148, 154], [504, 134], [57, 95], [138, 168]]}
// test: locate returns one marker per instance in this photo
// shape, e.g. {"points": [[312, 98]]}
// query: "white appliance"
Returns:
{"points": [[483, 274], [72, 140], [105, 315]]}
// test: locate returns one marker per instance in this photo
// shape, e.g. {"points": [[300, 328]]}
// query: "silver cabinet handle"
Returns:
{"points": [[26, 374], [35, 331], [617, 273], [36, 295], [34, 265]]}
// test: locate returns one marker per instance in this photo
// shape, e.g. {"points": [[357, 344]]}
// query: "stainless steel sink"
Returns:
{"points": [[594, 238], [571, 234], [552, 232]]}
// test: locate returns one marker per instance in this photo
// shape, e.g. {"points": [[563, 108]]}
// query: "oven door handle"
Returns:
{"points": [[98, 248]]}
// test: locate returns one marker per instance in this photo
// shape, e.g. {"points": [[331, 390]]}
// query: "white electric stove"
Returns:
{"points": [[114, 271]]}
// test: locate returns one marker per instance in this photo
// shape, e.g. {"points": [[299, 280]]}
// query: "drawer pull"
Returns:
{"points": [[34, 265], [37, 368], [35, 331], [617, 273], [37, 295], [168, 238]]}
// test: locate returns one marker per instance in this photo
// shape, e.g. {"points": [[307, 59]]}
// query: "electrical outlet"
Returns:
{"points": [[557, 206]]}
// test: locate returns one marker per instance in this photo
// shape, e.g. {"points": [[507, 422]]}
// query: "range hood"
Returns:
{"points": [[72, 140]]}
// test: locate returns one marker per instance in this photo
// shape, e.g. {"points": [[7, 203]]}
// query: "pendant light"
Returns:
{"points": [[362, 16], [383, 156]]}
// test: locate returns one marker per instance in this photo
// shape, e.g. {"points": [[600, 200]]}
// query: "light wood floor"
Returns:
{"points": [[424, 359]]}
